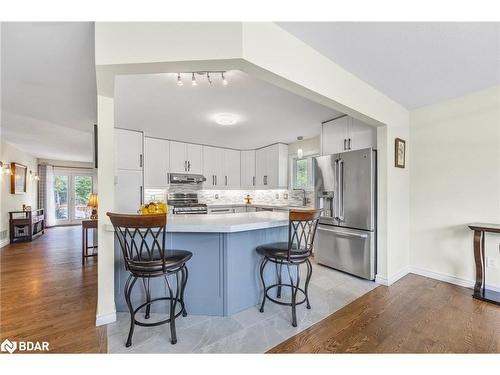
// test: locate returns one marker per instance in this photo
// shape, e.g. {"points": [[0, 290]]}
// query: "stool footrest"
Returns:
{"points": [[142, 324], [281, 302]]}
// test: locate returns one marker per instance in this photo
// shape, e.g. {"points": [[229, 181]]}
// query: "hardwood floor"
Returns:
{"points": [[415, 315], [46, 294]]}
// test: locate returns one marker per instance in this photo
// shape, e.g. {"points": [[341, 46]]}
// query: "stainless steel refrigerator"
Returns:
{"points": [[345, 188]]}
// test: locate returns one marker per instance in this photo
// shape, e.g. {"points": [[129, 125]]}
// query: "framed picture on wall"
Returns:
{"points": [[400, 153], [18, 178]]}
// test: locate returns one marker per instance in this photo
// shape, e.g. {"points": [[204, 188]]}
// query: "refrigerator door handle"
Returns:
{"points": [[344, 233], [340, 190]]}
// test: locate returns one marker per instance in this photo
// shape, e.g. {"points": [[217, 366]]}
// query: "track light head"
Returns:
{"points": [[179, 81]]}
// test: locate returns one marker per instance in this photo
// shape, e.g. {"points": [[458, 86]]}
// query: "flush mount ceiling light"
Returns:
{"points": [[193, 81], [225, 119]]}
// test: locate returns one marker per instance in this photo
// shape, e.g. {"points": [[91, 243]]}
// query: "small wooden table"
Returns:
{"points": [[86, 225], [480, 292]]}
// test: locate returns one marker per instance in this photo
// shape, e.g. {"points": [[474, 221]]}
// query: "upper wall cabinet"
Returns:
{"points": [[186, 158], [221, 168], [271, 167], [346, 134], [156, 163], [128, 149], [248, 178], [232, 168]]}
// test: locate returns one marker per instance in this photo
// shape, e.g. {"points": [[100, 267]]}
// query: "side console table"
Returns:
{"points": [[86, 225], [480, 291], [26, 225]]}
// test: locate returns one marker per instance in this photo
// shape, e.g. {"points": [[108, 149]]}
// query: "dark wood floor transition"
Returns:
{"points": [[46, 294], [415, 315]]}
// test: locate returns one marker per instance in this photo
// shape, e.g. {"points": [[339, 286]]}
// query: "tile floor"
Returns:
{"points": [[249, 331]]}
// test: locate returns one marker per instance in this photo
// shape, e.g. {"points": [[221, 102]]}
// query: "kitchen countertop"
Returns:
{"points": [[224, 223], [283, 206]]}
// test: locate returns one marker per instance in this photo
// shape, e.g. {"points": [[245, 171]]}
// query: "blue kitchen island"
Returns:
{"points": [[224, 270]]}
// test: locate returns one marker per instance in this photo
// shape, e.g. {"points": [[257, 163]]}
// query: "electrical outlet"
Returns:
{"points": [[285, 196], [216, 196], [492, 262], [277, 195]]}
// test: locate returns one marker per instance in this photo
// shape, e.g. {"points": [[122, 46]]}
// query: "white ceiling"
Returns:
{"points": [[415, 64], [49, 88], [268, 114]]}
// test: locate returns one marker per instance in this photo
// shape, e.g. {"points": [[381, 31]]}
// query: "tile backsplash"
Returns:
{"points": [[275, 196]]}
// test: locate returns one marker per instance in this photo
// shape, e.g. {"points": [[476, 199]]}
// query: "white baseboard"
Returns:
{"points": [[467, 283], [392, 279], [4, 243], [104, 319]]}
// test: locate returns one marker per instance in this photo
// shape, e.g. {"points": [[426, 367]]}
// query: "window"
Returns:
{"points": [[302, 173]]}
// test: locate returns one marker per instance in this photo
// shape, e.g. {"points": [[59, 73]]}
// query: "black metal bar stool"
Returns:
{"points": [[142, 241], [301, 232]]}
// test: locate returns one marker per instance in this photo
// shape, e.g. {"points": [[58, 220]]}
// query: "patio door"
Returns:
{"points": [[72, 188]]}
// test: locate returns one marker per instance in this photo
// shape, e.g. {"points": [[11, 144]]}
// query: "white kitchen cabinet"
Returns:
{"points": [[129, 192], [213, 167], [186, 158], [156, 163], [346, 134], [271, 166], [232, 168], [194, 158], [128, 149], [248, 178]]}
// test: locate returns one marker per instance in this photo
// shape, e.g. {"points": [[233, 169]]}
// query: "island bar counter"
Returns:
{"points": [[224, 270]]}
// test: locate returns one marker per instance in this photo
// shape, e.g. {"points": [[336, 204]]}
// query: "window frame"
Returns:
{"points": [[310, 172]]}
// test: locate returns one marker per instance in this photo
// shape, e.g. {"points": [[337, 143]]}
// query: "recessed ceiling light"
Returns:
{"points": [[225, 119]]}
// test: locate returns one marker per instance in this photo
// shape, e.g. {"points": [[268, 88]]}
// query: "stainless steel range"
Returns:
{"points": [[185, 203]]}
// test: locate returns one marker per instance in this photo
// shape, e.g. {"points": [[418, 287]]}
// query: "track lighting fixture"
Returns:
{"points": [[179, 81], [207, 74]]}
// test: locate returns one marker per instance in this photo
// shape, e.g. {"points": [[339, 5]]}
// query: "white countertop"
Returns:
{"points": [[280, 206], [224, 223]]}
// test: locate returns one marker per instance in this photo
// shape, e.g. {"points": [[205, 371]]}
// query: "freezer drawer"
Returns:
{"points": [[348, 250]]}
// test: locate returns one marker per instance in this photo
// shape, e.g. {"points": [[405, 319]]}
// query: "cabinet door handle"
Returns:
{"points": [[350, 142], [185, 165], [215, 179], [253, 180], [345, 144], [226, 180], [140, 160], [140, 192], [189, 165]]}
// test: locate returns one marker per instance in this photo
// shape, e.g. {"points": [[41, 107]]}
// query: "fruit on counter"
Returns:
{"points": [[154, 207]]}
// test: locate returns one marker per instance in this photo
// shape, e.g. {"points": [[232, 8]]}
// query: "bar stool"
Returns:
{"points": [[301, 232], [142, 241]]}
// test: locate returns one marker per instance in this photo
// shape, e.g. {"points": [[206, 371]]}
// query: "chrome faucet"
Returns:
{"points": [[304, 199]]}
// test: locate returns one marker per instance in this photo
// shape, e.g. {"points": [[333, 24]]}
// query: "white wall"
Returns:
{"points": [[13, 202], [310, 146], [455, 180]]}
